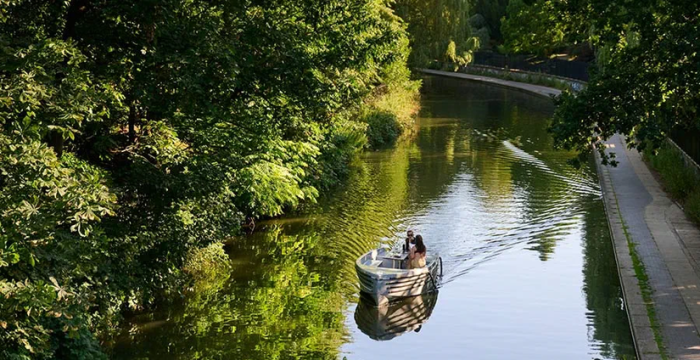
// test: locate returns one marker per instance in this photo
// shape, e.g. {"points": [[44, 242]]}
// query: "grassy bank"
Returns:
{"points": [[390, 111], [678, 179]]}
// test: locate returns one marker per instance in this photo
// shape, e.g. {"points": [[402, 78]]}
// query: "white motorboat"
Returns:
{"points": [[384, 276]]}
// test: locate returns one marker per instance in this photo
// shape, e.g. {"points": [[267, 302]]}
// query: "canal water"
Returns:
{"points": [[529, 271]]}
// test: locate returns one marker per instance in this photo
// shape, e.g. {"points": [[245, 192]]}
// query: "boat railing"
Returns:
{"points": [[432, 278]]}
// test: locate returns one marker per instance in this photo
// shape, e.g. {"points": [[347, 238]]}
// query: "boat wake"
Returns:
{"points": [[469, 227]]}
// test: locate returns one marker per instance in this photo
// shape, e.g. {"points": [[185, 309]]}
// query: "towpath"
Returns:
{"points": [[668, 245]]}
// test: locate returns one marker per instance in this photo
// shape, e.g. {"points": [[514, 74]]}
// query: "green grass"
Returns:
{"points": [[390, 112], [678, 179], [646, 290]]}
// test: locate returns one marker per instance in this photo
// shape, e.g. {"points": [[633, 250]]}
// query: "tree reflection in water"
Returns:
{"points": [[272, 307]]}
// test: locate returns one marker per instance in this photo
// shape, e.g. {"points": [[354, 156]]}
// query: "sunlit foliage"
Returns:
{"points": [[646, 84], [433, 25], [136, 132], [535, 29]]}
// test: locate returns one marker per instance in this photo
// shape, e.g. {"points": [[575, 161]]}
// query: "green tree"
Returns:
{"points": [[492, 11], [135, 132], [433, 25], [535, 29], [647, 80]]}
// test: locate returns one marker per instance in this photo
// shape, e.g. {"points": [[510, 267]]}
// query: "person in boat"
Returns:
{"points": [[410, 241], [416, 256]]}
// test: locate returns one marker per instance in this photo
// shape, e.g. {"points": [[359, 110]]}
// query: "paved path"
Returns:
{"points": [[665, 242], [536, 89]]}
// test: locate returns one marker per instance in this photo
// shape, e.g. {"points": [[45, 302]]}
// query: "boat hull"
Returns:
{"points": [[385, 285]]}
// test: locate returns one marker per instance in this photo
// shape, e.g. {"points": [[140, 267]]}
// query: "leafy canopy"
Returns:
{"points": [[136, 132], [645, 84]]}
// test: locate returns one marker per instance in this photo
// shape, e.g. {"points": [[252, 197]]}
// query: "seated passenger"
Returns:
{"points": [[410, 241], [416, 257]]}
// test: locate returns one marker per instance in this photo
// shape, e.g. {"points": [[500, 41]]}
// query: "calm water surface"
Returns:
{"points": [[529, 271]]}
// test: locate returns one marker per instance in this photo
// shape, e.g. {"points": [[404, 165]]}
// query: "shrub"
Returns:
{"points": [[692, 206], [678, 179], [391, 109], [383, 128], [484, 37], [342, 142]]}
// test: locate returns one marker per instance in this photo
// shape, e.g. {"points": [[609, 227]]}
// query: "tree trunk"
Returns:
{"points": [[75, 10], [56, 142], [132, 123]]}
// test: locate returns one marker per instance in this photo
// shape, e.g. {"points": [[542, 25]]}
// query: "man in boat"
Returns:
{"points": [[410, 241]]}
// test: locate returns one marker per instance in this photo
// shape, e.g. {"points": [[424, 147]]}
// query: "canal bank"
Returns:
{"points": [[520, 86], [655, 247]]}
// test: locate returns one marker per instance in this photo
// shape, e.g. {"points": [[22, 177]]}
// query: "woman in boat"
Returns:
{"points": [[416, 257]]}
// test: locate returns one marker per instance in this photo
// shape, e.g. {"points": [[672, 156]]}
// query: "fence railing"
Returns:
{"points": [[577, 70], [688, 141]]}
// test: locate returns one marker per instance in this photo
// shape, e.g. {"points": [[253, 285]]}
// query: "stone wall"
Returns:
{"points": [[520, 75]]}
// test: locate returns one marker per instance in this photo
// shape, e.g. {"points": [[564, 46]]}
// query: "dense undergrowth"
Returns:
{"points": [[678, 179], [389, 112], [137, 135]]}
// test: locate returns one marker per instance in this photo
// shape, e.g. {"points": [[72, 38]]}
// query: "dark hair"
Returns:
{"points": [[420, 247]]}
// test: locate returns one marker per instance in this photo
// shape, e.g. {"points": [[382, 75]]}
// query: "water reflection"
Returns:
{"points": [[608, 325], [273, 306], [528, 265], [395, 318]]}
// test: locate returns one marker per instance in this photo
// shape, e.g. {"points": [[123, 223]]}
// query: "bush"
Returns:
{"points": [[342, 142], [391, 109], [692, 206], [484, 37], [678, 179], [383, 128]]}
